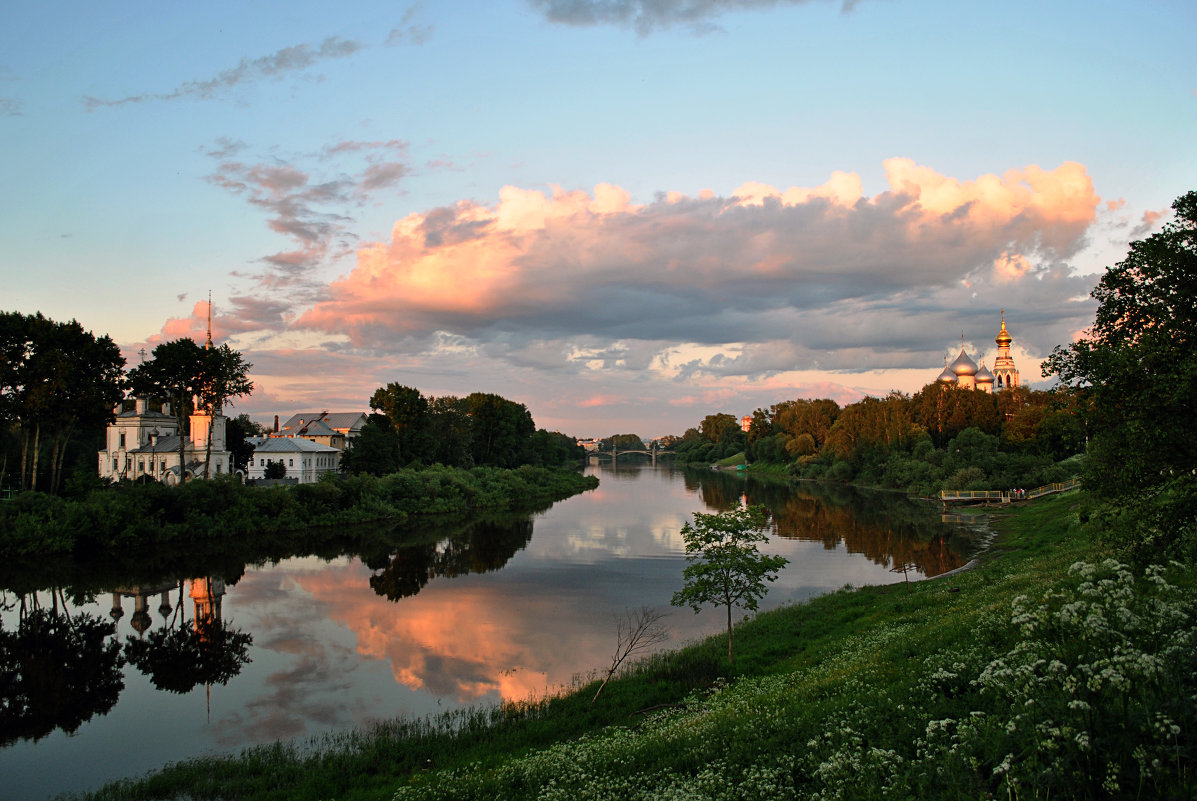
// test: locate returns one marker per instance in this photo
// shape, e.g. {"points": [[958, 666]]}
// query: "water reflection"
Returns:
{"points": [[58, 669], [479, 547], [888, 528], [381, 621], [56, 672]]}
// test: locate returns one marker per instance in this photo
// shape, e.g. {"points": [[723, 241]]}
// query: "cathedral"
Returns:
{"points": [[965, 373]]}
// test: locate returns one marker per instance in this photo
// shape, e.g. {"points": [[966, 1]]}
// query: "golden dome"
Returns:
{"points": [[983, 375], [1003, 338]]}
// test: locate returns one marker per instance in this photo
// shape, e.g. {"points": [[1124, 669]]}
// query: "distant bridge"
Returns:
{"points": [[614, 455], [1005, 496]]}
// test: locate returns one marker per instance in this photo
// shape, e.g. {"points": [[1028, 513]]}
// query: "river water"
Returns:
{"points": [[502, 609]]}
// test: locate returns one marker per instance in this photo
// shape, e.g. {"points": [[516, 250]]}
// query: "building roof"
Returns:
{"points": [[288, 445], [338, 421], [963, 365]]}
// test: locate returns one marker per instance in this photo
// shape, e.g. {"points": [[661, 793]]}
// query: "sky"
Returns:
{"points": [[625, 214]]}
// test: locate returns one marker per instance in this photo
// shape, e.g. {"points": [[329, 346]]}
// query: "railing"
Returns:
{"points": [[1004, 496]]}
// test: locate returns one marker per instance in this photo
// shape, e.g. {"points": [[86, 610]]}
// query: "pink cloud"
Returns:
{"points": [[536, 255]]}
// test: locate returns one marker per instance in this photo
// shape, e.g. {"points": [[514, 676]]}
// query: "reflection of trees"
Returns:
{"points": [[56, 671], [179, 657], [888, 528], [480, 547]]}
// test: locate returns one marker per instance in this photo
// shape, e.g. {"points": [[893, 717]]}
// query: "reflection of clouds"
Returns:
{"points": [[312, 680], [455, 639]]}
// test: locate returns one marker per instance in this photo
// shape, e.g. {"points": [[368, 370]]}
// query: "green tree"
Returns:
{"points": [[274, 469], [55, 379], [375, 450], [1138, 367], [175, 373], [501, 430], [724, 566], [407, 411], [225, 375]]}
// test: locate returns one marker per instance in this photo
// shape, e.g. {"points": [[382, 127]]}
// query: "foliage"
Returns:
{"points": [[128, 517], [723, 564], [1137, 371], [480, 429], [274, 470], [56, 672], [56, 379]]}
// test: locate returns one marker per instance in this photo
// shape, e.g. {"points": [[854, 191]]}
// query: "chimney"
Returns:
{"points": [[276, 424], [143, 405], [166, 409]]}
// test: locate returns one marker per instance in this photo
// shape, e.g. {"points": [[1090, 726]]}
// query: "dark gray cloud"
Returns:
{"points": [[287, 60], [646, 16]]}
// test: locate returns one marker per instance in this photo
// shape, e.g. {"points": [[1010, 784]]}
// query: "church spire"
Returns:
{"points": [[208, 344]]}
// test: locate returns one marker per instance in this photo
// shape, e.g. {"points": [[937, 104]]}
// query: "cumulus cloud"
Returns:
{"points": [[645, 16], [592, 302], [286, 60], [848, 281]]}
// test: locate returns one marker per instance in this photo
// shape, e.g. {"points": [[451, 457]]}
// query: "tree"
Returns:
{"points": [[55, 378], [224, 377], [501, 430], [637, 631], [724, 567], [375, 450], [1138, 367], [186, 373], [175, 372], [407, 411], [274, 470]]}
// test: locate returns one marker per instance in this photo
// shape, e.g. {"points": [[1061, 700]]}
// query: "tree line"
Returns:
{"points": [[407, 428], [59, 383]]}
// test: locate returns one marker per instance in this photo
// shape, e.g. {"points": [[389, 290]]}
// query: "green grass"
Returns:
{"points": [[878, 692], [733, 460]]}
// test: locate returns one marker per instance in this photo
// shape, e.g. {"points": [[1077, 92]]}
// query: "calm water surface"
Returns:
{"points": [[497, 610]]}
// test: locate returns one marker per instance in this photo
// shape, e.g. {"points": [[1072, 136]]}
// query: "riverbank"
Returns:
{"points": [[131, 518], [933, 689]]}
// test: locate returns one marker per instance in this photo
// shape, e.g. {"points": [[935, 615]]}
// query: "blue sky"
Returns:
{"points": [[626, 214]]}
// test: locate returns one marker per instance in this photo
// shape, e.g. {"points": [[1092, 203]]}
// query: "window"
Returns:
{"points": [[291, 462], [219, 468], [122, 442], [141, 465], [114, 465]]}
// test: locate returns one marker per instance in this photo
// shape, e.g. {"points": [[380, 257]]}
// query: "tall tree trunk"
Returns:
{"points": [[180, 416], [37, 433], [55, 462], [730, 659], [24, 458]]}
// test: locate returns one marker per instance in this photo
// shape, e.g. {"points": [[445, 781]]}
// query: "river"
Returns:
{"points": [[502, 609]]}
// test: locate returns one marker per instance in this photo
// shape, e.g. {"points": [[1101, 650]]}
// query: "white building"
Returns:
{"points": [[144, 444], [303, 459]]}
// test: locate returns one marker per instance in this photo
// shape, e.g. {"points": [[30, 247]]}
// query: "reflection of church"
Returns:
{"points": [[965, 374], [206, 593]]}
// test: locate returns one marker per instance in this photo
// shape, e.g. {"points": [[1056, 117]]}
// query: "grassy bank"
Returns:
{"points": [[1027, 676]]}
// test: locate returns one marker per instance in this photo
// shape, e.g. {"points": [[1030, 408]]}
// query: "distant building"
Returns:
{"points": [[143, 444], [333, 429], [304, 460], [746, 423], [964, 372]]}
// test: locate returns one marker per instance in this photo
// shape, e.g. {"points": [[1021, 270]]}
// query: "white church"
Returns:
{"points": [[143, 444]]}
